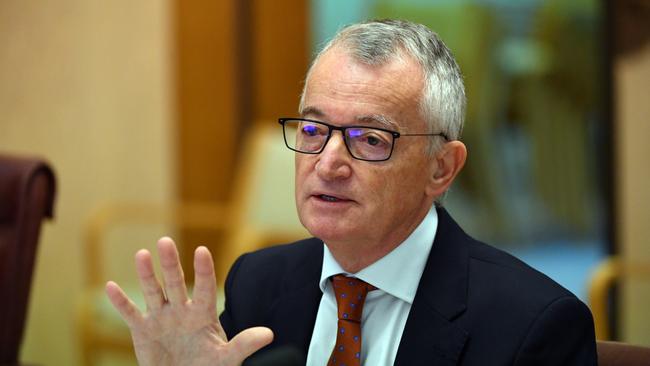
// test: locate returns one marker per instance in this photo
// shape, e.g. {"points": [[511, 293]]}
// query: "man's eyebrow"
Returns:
{"points": [[312, 111], [379, 119]]}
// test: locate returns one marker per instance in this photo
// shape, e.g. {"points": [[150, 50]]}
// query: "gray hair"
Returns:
{"points": [[377, 42]]}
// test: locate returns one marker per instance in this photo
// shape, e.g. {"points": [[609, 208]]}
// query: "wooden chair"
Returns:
{"points": [[99, 327], [606, 275], [622, 354], [261, 212], [27, 192], [602, 281]]}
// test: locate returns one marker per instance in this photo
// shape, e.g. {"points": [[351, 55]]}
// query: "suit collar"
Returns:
{"points": [[293, 315], [430, 336], [446, 271]]}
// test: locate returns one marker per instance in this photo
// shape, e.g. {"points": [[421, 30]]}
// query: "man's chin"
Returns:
{"points": [[328, 231]]}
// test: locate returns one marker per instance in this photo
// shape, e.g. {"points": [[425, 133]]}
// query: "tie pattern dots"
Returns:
{"points": [[350, 296]]}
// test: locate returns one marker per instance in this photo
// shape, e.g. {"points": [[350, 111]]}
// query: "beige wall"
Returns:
{"points": [[632, 94], [86, 84]]}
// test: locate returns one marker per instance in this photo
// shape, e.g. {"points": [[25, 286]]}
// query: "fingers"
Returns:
{"points": [[205, 286], [123, 304], [249, 341], [151, 289], [172, 272]]}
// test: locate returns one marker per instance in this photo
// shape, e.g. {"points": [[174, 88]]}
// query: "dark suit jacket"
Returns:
{"points": [[475, 305]]}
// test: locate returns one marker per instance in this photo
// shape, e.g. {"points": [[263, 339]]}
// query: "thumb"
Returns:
{"points": [[249, 341]]}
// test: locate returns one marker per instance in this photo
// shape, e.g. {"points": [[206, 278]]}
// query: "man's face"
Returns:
{"points": [[344, 201]]}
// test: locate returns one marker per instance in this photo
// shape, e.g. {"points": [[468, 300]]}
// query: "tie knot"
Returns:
{"points": [[350, 296]]}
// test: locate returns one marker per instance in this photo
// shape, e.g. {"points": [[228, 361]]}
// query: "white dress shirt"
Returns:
{"points": [[386, 309]]}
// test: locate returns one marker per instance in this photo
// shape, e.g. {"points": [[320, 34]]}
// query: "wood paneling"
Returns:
{"points": [[206, 97], [280, 36], [237, 62]]}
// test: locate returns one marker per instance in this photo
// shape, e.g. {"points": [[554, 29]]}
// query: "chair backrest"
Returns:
{"points": [[27, 190], [622, 354], [169, 218], [608, 273], [260, 212], [263, 208]]}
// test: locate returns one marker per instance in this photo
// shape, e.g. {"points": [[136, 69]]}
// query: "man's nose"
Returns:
{"points": [[334, 160]]}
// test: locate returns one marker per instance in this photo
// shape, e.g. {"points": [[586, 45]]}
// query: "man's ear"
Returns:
{"points": [[447, 161]]}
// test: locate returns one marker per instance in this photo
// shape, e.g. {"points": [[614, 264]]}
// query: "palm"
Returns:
{"points": [[177, 330], [196, 336]]}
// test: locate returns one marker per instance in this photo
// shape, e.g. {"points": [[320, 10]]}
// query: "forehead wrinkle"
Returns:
{"points": [[361, 90], [354, 89]]}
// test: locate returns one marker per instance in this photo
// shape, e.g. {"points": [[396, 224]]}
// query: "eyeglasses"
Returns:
{"points": [[363, 143]]}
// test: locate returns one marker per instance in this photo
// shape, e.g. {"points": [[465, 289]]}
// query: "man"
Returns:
{"points": [[377, 144]]}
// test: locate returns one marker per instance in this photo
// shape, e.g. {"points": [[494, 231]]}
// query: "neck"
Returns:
{"points": [[355, 255]]}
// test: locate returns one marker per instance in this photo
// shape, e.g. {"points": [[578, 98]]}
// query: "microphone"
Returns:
{"points": [[281, 356]]}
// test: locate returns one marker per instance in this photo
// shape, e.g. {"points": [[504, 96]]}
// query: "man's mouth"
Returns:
{"points": [[329, 198]]}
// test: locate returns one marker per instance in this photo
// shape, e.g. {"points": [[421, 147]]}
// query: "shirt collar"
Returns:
{"points": [[398, 272]]}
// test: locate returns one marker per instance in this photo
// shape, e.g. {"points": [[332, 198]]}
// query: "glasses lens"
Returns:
{"points": [[369, 143], [305, 136]]}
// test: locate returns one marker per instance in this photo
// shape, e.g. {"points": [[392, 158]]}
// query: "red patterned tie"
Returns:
{"points": [[350, 295]]}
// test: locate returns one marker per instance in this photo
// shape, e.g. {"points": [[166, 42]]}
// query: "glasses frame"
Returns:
{"points": [[331, 128]]}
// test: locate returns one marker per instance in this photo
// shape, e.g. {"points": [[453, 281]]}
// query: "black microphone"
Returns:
{"points": [[281, 356]]}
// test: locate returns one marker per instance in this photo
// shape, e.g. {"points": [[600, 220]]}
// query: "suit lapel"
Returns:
{"points": [[293, 315], [430, 337]]}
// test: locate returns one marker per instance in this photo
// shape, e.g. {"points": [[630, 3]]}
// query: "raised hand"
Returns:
{"points": [[177, 330]]}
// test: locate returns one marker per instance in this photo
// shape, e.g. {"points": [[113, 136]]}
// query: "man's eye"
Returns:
{"points": [[373, 141], [310, 130]]}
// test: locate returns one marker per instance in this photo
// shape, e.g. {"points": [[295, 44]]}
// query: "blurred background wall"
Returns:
{"points": [[633, 74], [631, 93], [162, 101], [88, 85]]}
